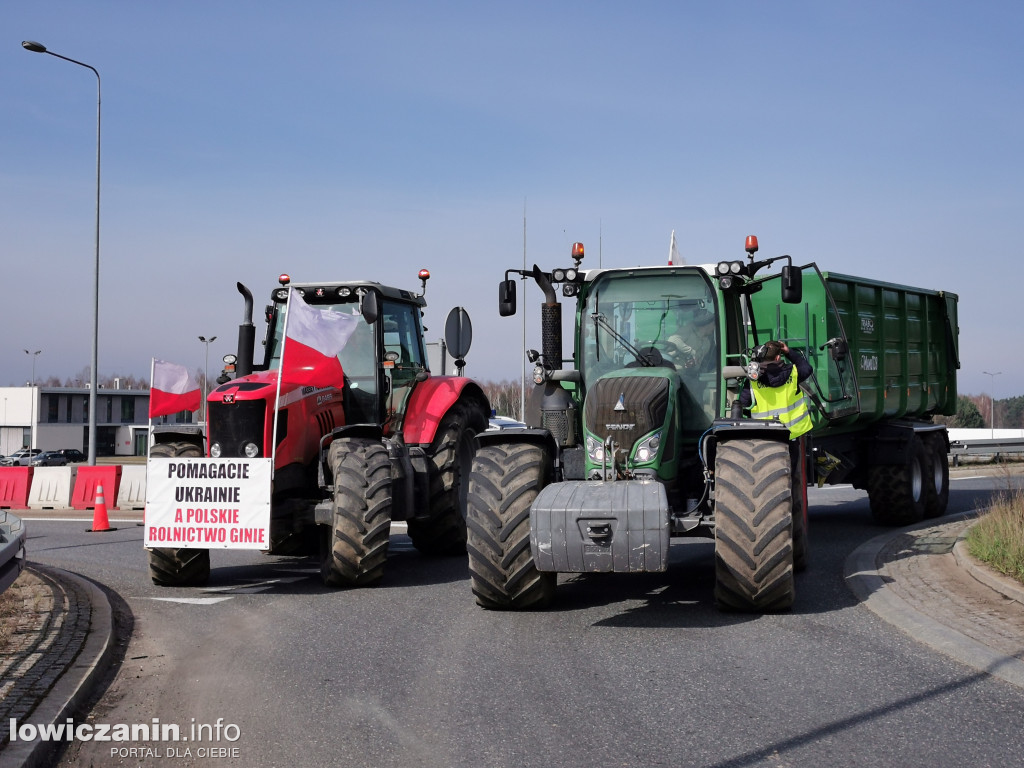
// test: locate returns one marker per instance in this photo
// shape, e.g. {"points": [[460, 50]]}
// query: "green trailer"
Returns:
{"points": [[640, 440]]}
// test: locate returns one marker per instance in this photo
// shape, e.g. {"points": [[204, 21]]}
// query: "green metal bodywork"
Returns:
{"points": [[880, 351], [901, 346]]}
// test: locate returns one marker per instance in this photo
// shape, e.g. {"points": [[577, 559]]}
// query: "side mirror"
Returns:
{"points": [[368, 307], [507, 298], [792, 285]]}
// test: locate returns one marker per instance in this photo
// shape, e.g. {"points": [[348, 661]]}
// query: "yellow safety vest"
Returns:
{"points": [[785, 403]]}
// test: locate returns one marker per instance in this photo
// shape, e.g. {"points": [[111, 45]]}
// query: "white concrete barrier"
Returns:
{"points": [[52, 487], [132, 492]]}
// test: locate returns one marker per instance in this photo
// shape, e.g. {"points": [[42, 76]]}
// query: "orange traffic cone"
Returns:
{"points": [[100, 523]]}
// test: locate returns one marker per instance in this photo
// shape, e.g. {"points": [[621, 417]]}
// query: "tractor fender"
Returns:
{"points": [[430, 401]]}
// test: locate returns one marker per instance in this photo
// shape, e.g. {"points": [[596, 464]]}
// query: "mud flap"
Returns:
{"points": [[591, 526]]}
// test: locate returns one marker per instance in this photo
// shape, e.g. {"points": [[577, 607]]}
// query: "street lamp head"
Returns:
{"points": [[31, 45]]}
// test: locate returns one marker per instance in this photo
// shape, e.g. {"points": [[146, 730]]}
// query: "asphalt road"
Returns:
{"points": [[626, 670]]}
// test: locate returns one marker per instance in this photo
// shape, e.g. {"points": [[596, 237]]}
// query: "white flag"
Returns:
{"points": [[673, 252]]}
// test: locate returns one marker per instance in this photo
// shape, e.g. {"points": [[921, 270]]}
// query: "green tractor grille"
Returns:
{"points": [[626, 407]]}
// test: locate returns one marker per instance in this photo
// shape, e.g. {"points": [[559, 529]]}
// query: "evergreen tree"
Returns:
{"points": [[967, 415]]}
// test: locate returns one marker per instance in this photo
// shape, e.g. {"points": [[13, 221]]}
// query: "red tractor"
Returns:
{"points": [[387, 441]]}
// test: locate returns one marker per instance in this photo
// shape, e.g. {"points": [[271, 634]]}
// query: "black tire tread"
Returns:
{"points": [[753, 526], [356, 545], [504, 482], [893, 495]]}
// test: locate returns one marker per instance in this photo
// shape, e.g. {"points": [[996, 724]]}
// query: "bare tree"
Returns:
{"points": [[504, 397]]}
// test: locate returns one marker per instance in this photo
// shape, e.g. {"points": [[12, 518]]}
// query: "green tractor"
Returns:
{"points": [[643, 440]]}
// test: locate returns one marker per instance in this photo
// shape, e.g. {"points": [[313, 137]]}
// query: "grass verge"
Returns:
{"points": [[997, 539], [10, 604]]}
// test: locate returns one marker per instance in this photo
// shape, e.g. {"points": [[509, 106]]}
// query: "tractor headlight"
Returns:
{"points": [[215, 450], [251, 450], [647, 449], [595, 450]]}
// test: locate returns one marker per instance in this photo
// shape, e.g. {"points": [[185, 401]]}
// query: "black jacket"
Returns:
{"points": [[779, 377]]}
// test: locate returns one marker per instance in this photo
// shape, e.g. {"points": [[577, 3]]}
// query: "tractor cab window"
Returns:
{"points": [[403, 338], [276, 332], [358, 359], [664, 319]]}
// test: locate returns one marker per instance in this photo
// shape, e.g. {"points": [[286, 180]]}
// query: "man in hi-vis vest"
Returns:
{"points": [[772, 389]]}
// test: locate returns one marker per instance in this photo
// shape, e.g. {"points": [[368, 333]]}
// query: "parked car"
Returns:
{"points": [[504, 422], [19, 458], [73, 455], [49, 459]]}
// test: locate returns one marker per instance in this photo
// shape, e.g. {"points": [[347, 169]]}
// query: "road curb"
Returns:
{"points": [[1004, 585], [862, 577], [74, 686]]}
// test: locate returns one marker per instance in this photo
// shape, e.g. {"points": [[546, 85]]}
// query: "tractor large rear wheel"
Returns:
{"points": [[355, 547], [898, 493], [451, 454], [505, 480], [178, 567], [753, 526]]}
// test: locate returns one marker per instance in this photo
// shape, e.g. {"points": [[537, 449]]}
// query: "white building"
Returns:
{"points": [[51, 418]]}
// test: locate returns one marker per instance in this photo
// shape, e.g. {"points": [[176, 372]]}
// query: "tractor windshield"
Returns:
{"points": [[663, 318], [358, 359]]}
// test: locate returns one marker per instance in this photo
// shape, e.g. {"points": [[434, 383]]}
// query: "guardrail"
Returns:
{"points": [[12, 548], [986, 447]]}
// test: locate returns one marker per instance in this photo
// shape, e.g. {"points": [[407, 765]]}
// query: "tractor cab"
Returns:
{"points": [[383, 358]]}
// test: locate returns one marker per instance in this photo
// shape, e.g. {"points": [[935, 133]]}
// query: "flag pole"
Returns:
{"points": [[149, 436]]}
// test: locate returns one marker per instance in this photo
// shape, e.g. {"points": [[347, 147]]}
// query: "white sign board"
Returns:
{"points": [[208, 503]]}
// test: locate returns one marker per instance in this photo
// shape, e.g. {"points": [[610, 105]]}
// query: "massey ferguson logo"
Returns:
{"points": [[229, 399]]}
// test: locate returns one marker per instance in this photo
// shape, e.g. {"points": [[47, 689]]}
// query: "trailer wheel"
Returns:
{"points": [[753, 526], [178, 567], [505, 480], [898, 492], [937, 487], [451, 454], [353, 550]]}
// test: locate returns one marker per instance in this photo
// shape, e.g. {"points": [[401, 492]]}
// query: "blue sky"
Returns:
{"points": [[344, 140]]}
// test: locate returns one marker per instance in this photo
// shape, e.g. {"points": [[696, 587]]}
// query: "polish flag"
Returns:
{"points": [[173, 389], [313, 340]]}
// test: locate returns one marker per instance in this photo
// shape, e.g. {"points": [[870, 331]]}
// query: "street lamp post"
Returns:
{"points": [[992, 400], [35, 47], [206, 372], [32, 397]]}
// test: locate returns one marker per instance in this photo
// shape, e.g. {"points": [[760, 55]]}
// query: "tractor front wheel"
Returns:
{"points": [[505, 480], [354, 548], [178, 567], [753, 526]]}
